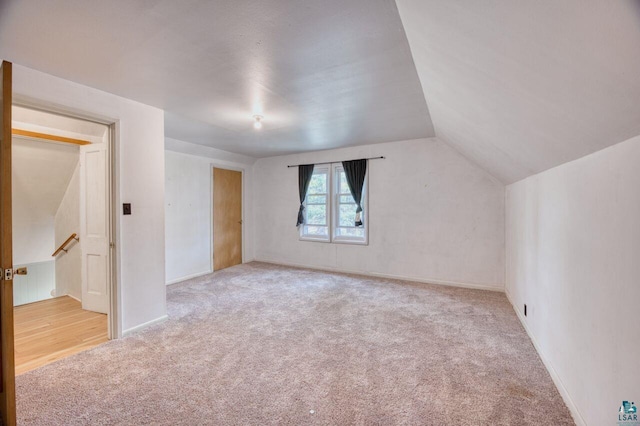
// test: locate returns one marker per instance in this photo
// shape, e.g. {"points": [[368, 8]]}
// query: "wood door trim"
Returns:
{"points": [[7, 367]]}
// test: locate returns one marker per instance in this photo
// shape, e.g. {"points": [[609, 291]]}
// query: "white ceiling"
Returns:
{"points": [[520, 87], [324, 74]]}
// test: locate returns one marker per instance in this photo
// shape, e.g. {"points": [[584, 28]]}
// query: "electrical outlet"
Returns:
{"points": [[126, 208]]}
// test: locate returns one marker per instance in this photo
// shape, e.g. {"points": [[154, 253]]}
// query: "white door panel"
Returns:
{"points": [[94, 227]]}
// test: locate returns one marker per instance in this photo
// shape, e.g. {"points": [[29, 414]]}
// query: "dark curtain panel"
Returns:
{"points": [[355, 171], [304, 178]]}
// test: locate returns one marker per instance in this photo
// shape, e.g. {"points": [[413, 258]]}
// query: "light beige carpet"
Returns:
{"points": [[259, 344]]}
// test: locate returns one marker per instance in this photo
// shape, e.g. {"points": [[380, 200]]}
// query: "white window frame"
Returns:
{"points": [[335, 210], [333, 207], [312, 237]]}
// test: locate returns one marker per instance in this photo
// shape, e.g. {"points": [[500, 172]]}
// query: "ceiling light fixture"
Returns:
{"points": [[257, 124]]}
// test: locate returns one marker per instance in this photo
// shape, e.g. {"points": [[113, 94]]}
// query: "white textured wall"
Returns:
{"points": [[188, 186], [33, 234], [140, 173], [37, 285], [433, 216], [573, 251], [67, 222]]}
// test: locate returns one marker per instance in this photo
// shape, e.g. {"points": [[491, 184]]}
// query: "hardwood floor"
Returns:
{"points": [[53, 329]]}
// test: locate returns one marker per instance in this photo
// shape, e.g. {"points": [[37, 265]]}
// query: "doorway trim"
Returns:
{"points": [[222, 165], [114, 315]]}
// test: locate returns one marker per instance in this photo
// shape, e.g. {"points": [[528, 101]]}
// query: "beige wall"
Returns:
{"points": [[433, 216], [139, 164], [188, 197], [573, 245]]}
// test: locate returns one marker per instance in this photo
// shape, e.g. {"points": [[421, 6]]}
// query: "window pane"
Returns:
{"points": [[347, 215], [344, 186], [316, 199], [346, 199], [316, 214], [318, 184], [350, 232], [316, 231]]}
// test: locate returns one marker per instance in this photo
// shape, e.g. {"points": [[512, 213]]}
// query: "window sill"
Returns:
{"points": [[338, 241], [352, 242], [315, 240]]}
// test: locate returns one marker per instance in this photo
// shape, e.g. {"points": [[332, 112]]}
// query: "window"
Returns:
{"points": [[316, 207], [345, 211], [330, 210]]}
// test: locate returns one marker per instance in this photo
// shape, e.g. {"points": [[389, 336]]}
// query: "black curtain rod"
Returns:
{"points": [[333, 162]]}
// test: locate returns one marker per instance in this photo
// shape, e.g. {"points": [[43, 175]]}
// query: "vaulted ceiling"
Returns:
{"points": [[41, 175], [517, 87], [522, 86]]}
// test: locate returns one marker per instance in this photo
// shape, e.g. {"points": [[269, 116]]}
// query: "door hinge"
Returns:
{"points": [[8, 274]]}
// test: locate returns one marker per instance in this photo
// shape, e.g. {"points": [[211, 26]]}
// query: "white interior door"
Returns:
{"points": [[94, 229]]}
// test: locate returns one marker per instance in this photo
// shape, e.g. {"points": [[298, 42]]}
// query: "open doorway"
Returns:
{"points": [[61, 231]]}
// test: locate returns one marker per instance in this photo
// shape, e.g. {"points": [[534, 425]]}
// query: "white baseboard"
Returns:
{"points": [[577, 417], [496, 287], [73, 297], [55, 295], [188, 277], [144, 325]]}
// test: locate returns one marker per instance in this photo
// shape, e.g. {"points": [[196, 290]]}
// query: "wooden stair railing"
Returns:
{"points": [[63, 246]]}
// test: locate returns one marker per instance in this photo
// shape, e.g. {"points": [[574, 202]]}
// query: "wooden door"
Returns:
{"points": [[227, 218], [7, 365], [94, 227]]}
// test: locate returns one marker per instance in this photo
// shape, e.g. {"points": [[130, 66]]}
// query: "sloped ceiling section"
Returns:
{"points": [[324, 74], [42, 169], [520, 87], [41, 174]]}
